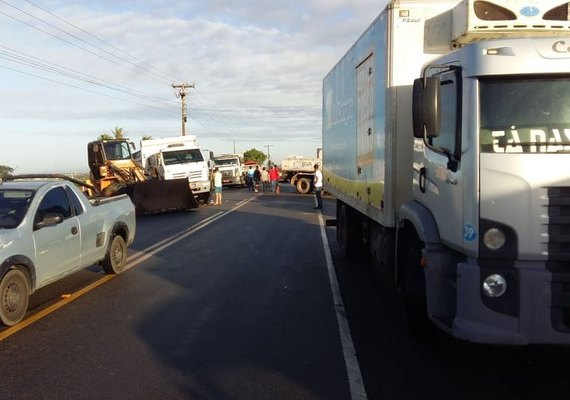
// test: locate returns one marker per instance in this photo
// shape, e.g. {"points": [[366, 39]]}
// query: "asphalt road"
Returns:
{"points": [[229, 302], [235, 302]]}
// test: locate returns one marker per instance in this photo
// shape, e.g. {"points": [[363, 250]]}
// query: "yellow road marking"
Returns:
{"points": [[131, 262], [48, 310]]}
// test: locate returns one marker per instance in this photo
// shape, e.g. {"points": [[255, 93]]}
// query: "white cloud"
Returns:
{"points": [[257, 66]]}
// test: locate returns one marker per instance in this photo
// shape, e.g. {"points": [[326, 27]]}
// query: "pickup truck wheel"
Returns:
{"points": [[14, 297], [303, 185], [116, 257]]}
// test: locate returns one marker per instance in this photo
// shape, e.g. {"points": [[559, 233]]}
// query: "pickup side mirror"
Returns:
{"points": [[49, 220], [426, 110]]}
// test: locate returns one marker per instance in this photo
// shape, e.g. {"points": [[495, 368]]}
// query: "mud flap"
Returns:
{"points": [[162, 196]]}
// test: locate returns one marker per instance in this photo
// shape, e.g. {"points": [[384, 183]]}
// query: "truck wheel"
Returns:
{"points": [[204, 197], [14, 297], [347, 234], [415, 292], [116, 257], [303, 185]]}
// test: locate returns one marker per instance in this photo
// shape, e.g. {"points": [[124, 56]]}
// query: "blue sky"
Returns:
{"points": [[257, 66]]}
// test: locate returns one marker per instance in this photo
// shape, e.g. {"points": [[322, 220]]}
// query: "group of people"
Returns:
{"points": [[269, 182], [267, 178]]}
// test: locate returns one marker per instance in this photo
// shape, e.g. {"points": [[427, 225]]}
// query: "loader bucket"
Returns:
{"points": [[162, 196]]}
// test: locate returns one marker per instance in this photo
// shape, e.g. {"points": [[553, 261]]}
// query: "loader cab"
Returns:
{"points": [[101, 151]]}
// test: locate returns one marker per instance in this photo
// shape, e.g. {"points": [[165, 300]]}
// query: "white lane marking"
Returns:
{"points": [[132, 261], [141, 256], [355, 382]]}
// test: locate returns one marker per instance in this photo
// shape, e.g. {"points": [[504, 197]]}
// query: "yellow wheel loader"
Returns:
{"points": [[114, 171]]}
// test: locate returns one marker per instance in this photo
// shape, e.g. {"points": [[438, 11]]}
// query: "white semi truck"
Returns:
{"points": [[177, 157], [446, 141], [232, 168]]}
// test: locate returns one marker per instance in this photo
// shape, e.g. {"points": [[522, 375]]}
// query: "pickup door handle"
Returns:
{"points": [[74, 230]]}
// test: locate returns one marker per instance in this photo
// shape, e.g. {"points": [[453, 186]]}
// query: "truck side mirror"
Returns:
{"points": [[426, 112]]}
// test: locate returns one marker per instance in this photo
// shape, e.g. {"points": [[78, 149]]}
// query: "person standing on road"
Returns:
{"points": [[249, 179], [318, 187], [218, 187], [274, 177], [256, 178], [265, 180]]}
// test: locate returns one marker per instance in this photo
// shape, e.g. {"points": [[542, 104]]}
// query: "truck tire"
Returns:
{"points": [[204, 197], [348, 234], [415, 292], [14, 296], [303, 185], [116, 257]]}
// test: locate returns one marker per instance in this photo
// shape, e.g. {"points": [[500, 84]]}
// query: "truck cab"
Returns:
{"points": [[232, 168]]}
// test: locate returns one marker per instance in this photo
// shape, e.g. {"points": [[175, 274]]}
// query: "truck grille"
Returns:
{"points": [[195, 175], [559, 255], [559, 226]]}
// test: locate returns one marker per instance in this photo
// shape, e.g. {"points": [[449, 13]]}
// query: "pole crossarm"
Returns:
{"points": [[181, 87]]}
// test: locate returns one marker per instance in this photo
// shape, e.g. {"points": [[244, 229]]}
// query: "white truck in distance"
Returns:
{"points": [[177, 157], [456, 172], [300, 171], [232, 169], [49, 229]]}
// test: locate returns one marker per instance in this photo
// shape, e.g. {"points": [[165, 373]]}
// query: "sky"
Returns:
{"points": [[73, 70]]}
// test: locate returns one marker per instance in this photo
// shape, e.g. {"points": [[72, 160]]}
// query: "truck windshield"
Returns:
{"points": [[182, 156], [117, 150], [225, 162], [530, 115], [13, 207]]}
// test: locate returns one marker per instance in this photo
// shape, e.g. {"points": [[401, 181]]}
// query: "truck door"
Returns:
{"points": [[58, 247], [441, 179]]}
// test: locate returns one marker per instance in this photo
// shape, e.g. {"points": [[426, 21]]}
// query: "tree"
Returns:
{"points": [[4, 170], [119, 133], [147, 137], [255, 155], [116, 133]]}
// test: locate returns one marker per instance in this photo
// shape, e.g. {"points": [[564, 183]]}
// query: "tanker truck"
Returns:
{"points": [[446, 142]]}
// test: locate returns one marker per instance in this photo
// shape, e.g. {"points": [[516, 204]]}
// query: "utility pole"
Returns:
{"points": [[182, 95], [268, 157]]}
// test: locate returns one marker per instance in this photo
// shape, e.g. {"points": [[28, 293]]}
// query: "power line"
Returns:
{"points": [[165, 75], [19, 57], [70, 42], [81, 88]]}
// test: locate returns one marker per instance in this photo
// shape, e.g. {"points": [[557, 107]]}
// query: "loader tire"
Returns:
{"points": [[114, 189]]}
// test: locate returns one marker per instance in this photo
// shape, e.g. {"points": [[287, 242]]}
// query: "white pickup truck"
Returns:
{"points": [[49, 229]]}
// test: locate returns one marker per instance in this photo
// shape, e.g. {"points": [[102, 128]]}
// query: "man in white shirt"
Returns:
{"points": [[218, 187], [318, 187]]}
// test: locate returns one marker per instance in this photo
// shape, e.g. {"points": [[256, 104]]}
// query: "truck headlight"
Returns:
{"points": [[494, 285], [494, 239]]}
